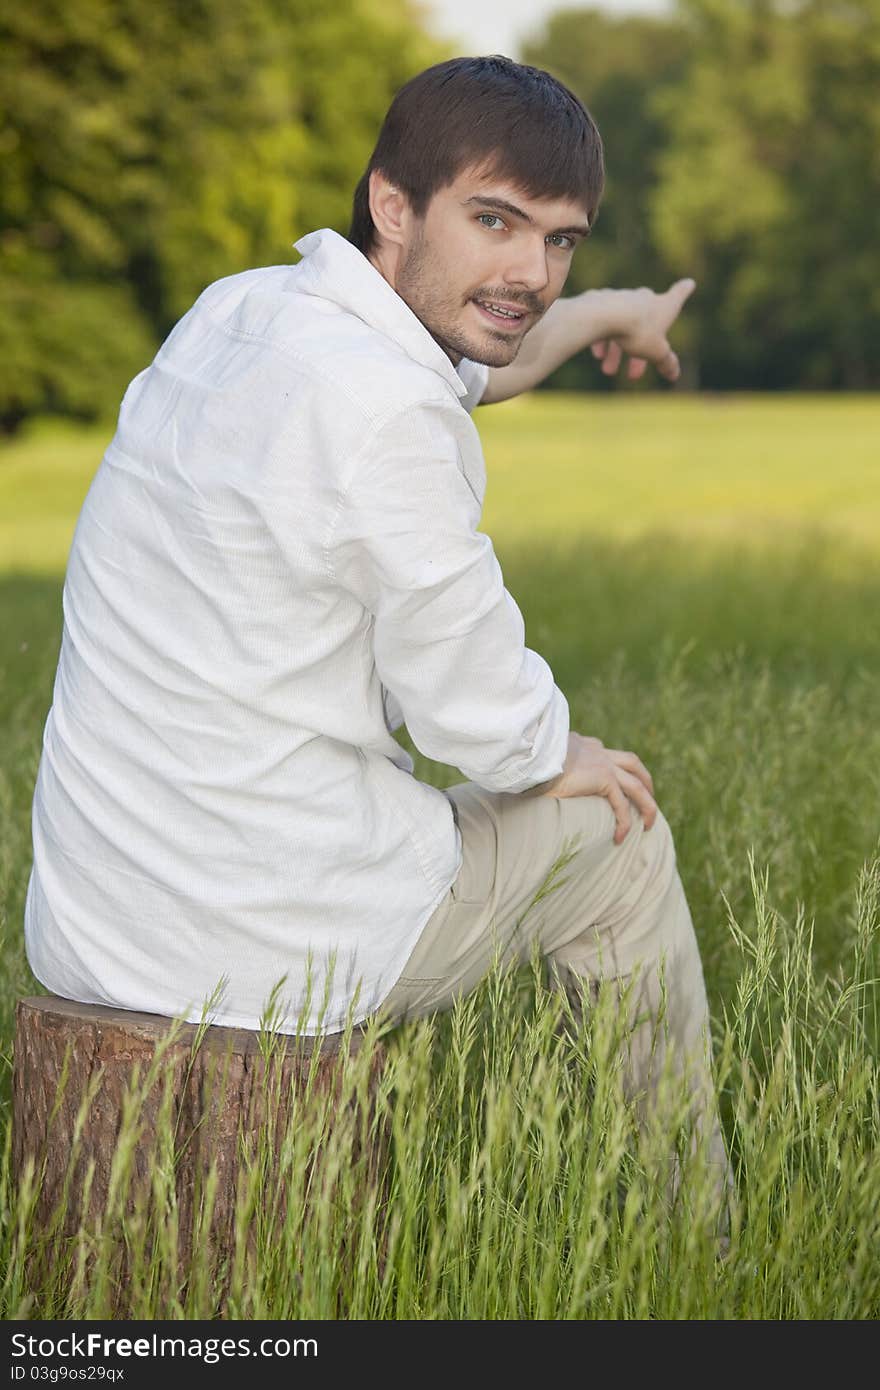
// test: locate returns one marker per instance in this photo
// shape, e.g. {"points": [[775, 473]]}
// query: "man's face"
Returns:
{"points": [[481, 243]]}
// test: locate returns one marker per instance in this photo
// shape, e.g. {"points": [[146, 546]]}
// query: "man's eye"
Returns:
{"points": [[559, 239]]}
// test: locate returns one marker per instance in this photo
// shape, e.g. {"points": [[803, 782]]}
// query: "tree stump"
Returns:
{"points": [[98, 1091]]}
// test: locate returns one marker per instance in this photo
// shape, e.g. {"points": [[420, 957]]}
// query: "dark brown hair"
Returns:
{"points": [[515, 120]]}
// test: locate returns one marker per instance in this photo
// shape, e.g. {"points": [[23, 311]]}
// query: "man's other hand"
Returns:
{"points": [[644, 320], [591, 769]]}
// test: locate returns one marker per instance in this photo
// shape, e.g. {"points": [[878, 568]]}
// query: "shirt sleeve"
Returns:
{"points": [[448, 639], [393, 712], [475, 376]]}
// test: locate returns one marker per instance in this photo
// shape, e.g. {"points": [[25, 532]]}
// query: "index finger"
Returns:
{"points": [[681, 291]]}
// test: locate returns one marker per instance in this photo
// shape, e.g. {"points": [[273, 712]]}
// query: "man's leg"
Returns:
{"points": [[616, 917]]}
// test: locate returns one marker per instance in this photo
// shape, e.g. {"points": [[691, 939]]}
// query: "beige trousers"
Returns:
{"points": [[615, 913]]}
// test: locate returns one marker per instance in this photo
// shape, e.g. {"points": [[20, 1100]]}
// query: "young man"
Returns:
{"points": [[278, 563]]}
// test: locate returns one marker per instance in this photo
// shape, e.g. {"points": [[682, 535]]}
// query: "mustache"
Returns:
{"points": [[529, 302]]}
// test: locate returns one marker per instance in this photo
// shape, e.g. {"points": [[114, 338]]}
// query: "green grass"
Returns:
{"points": [[724, 467], [704, 578]]}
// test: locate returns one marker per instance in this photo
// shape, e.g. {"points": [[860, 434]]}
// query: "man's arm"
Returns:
{"points": [[611, 322], [447, 639]]}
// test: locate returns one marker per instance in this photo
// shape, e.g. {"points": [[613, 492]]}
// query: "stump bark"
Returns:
{"points": [[88, 1079]]}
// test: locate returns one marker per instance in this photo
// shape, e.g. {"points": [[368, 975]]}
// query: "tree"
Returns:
{"points": [[769, 188], [149, 149]]}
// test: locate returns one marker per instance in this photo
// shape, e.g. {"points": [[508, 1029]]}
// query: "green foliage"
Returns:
{"points": [[149, 150], [769, 188], [742, 142], [69, 347]]}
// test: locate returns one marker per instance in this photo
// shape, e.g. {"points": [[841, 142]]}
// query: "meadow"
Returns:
{"points": [[703, 576]]}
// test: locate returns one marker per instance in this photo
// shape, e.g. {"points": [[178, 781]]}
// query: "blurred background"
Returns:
{"points": [[147, 149]]}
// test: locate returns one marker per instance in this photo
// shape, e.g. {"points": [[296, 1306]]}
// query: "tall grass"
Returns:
{"points": [[514, 1182], [736, 648]]}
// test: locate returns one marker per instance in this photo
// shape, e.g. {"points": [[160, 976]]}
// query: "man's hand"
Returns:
{"points": [[645, 319], [591, 769]]}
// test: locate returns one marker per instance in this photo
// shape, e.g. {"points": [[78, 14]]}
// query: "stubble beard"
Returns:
{"points": [[423, 287]]}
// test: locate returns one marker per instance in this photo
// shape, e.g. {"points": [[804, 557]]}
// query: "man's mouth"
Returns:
{"points": [[511, 315]]}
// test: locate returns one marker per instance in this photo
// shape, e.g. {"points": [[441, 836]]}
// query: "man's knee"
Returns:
{"points": [[653, 847], [641, 900]]}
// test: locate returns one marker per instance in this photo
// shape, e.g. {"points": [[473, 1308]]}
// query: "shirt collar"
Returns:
{"points": [[336, 270]]}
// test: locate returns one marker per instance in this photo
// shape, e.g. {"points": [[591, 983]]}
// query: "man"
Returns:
{"points": [[278, 563]]}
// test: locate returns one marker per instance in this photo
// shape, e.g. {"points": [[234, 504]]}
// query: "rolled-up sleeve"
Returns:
{"points": [[448, 639]]}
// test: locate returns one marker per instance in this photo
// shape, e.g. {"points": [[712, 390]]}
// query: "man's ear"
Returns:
{"points": [[389, 209]]}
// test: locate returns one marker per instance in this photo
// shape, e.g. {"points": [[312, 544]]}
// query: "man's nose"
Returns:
{"points": [[527, 265]]}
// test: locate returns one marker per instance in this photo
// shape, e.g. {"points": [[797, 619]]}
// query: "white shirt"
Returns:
{"points": [[277, 563]]}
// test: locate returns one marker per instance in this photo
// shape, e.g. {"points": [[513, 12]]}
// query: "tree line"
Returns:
{"points": [[149, 149], [742, 144]]}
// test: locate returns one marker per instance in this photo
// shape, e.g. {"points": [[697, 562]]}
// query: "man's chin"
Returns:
{"points": [[488, 359], [488, 348], [491, 353]]}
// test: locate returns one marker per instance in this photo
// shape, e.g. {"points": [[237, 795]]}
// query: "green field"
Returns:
{"points": [[724, 468], [703, 575]]}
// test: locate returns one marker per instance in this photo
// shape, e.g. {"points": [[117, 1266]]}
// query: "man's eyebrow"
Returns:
{"points": [[502, 205]]}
